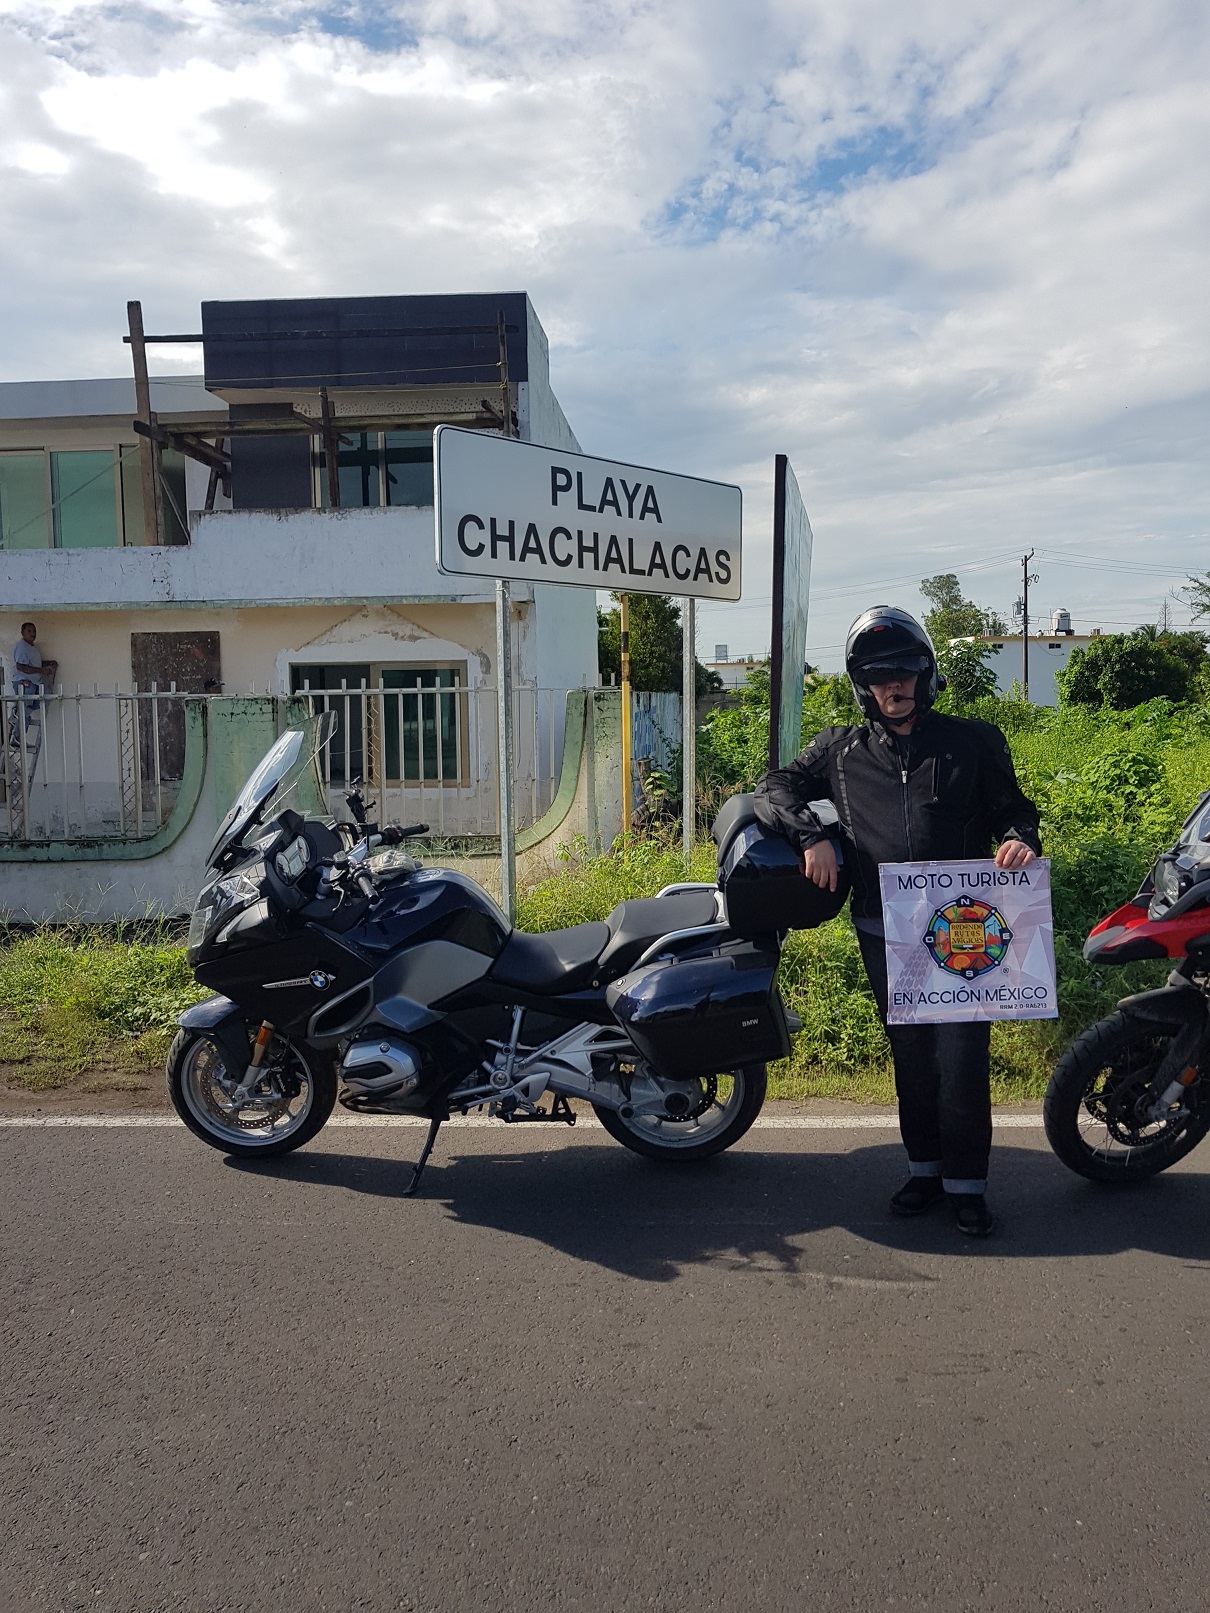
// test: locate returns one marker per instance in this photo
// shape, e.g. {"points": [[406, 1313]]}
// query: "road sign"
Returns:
{"points": [[532, 514], [792, 543]]}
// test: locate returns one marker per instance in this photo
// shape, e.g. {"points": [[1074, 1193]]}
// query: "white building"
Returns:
{"points": [[1048, 654], [250, 582], [732, 672]]}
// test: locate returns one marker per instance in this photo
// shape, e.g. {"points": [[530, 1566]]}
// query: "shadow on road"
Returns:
{"points": [[605, 1207]]}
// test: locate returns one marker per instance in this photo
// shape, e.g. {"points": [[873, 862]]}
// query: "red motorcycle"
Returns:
{"points": [[1131, 1095]]}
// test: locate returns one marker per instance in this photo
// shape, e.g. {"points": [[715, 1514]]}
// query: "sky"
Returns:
{"points": [[951, 258]]}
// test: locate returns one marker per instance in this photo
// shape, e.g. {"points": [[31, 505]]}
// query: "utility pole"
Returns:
{"points": [[1026, 578]]}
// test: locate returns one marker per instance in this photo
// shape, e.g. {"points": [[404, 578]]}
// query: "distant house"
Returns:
{"points": [[1048, 654], [733, 672], [253, 582]]}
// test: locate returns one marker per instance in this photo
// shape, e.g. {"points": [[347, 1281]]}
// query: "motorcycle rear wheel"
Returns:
{"points": [[1090, 1113], [273, 1121], [733, 1105]]}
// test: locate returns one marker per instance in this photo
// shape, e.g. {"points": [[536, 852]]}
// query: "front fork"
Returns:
{"points": [[1178, 1070]]}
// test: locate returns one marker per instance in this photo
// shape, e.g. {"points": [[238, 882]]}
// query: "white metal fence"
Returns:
{"points": [[105, 765], [429, 754], [108, 764]]}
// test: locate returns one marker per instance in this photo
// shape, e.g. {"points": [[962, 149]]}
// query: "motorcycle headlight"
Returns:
{"points": [[223, 900], [1167, 879]]}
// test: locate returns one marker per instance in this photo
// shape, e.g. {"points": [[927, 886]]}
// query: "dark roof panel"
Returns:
{"points": [[309, 342]]}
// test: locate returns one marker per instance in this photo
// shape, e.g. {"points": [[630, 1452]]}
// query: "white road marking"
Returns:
{"points": [[362, 1122]]}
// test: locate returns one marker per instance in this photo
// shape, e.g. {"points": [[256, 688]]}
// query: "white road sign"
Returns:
{"points": [[513, 509], [967, 940]]}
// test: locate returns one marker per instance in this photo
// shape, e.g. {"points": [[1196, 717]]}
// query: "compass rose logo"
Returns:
{"points": [[968, 937]]}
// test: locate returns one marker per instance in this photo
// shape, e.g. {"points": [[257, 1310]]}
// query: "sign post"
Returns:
{"points": [[688, 726], [504, 724], [627, 738], [520, 512], [792, 545]]}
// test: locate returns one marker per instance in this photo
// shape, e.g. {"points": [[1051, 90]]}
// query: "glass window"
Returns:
{"points": [[418, 732], [423, 724], [131, 475], [358, 460], [24, 501], [85, 494], [342, 685], [394, 467], [409, 468]]}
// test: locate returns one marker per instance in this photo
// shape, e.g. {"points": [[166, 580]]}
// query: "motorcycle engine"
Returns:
{"points": [[380, 1066]]}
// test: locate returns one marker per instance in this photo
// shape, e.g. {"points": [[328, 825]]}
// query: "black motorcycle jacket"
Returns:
{"points": [[945, 790]]}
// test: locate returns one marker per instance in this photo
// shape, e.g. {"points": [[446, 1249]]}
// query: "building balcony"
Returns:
{"points": [[248, 558]]}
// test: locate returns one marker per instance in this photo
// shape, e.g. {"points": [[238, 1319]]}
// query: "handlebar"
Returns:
{"points": [[394, 835], [350, 865]]}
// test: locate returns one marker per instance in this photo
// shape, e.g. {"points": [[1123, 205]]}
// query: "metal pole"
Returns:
{"points": [[1026, 579], [504, 725], [627, 782], [688, 727], [149, 449]]}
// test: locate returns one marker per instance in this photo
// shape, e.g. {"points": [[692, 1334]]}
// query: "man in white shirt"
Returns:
{"points": [[31, 674]]}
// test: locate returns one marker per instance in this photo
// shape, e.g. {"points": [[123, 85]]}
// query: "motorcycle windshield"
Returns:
{"points": [[271, 780]]}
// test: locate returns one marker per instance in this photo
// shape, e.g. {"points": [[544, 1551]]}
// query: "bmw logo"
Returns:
{"points": [[321, 979]]}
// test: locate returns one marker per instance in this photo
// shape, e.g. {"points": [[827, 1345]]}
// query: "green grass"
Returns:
{"points": [[91, 1002]]}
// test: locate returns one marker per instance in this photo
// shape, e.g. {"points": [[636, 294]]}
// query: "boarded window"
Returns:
{"points": [[191, 662]]}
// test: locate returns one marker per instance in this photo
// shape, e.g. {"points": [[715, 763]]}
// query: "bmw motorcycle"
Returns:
{"points": [[1131, 1095], [342, 968]]}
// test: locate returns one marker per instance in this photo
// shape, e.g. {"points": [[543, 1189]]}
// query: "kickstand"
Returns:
{"points": [[434, 1128]]}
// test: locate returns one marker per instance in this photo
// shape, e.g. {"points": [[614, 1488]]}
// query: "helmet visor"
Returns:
{"points": [[892, 669]]}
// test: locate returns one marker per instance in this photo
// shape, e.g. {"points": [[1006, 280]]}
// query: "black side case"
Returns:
{"points": [[702, 1015], [761, 880]]}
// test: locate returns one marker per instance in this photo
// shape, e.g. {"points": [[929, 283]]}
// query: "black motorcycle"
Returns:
{"points": [[343, 967]]}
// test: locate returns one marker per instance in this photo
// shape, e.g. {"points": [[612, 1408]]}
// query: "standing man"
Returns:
{"points": [[31, 674], [910, 785]]}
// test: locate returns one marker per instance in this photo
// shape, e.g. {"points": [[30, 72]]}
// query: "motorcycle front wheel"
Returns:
{"points": [[716, 1111], [284, 1110], [1097, 1101]]}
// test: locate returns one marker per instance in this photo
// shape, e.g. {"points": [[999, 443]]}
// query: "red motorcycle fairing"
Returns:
{"points": [[1130, 936]]}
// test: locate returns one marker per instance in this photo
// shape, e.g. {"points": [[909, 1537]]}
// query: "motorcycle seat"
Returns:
{"points": [[556, 960], [635, 925]]}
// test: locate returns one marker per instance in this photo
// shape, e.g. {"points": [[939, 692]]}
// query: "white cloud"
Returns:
{"points": [[951, 259]]}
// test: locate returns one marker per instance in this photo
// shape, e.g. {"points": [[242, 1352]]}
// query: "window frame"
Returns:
{"points": [[319, 469], [373, 746], [122, 459]]}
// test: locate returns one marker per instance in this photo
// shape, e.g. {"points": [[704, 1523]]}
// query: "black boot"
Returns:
{"points": [[918, 1194], [974, 1217]]}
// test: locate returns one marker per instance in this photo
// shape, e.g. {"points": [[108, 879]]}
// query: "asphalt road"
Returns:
{"points": [[567, 1379]]}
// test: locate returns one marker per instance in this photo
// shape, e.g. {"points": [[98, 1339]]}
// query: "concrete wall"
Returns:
{"points": [[103, 881]]}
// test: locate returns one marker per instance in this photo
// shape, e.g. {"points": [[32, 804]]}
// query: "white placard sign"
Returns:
{"points": [[967, 940], [513, 509]]}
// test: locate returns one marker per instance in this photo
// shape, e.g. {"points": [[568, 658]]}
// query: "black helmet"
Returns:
{"points": [[886, 639]]}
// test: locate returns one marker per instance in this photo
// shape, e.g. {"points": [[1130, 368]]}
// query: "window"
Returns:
{"points": [[83, 498], [84, 493], [24, 501], [394, 724], [379, 468]]}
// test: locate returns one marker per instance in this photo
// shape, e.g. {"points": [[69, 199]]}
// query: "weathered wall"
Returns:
{"points": [[224, 741]]}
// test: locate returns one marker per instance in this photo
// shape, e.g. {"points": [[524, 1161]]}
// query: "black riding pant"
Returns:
{"points": [[943, 1084]]}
